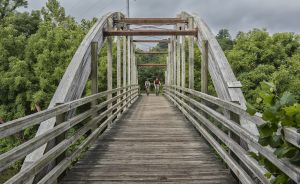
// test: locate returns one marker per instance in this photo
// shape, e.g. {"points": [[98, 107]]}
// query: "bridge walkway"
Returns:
{"points": [[153, 143]]}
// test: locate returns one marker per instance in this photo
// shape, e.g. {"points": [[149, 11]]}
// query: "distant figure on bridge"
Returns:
{"points": [[147, 86], [157, 86]]}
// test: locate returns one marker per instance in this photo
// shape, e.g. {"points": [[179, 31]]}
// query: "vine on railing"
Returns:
{"points": [[278, 112]]}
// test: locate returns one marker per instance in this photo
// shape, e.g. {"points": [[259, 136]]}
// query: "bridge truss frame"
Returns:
{"points": [[45, 154]]}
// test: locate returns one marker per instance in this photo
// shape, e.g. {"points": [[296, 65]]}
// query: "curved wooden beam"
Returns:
{"points": [[224, 80], [74, 80]]}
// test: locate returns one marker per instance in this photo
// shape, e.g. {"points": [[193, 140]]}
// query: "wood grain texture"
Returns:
{"points": [[219, 68], [153, 143], [73, 82]]}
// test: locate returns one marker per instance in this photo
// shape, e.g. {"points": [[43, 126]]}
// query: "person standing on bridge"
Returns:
{"points": [[147, 86], [157, 86]]}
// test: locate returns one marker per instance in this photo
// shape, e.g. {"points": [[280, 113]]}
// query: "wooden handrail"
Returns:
{"points": [[291, 134], [184, 102], [19, 152], [14, 126]]}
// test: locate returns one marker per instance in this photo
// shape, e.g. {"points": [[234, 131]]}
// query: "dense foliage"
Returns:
{"points": [[36, 48], [279, 111], [257, 56]]}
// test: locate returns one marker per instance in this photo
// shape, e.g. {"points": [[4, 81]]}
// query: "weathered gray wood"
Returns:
{"points": [[204, 67], [242, 175], [27, 121], [292, 136], [174, 60], [124, 62], [59, 120], [191, 54], [183, 64], [220, 70], [60, 148], [73, 82], [94, 70], [285, 166], [119, 66], [230, 106], [137, 156], [109, 62], [171, 59], [252, 164], [178, 60]]}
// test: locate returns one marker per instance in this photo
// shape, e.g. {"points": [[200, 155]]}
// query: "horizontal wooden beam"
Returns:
{"points": [[152, 65], [152, 21], [192, 32], [151, 52], [151, 41]]}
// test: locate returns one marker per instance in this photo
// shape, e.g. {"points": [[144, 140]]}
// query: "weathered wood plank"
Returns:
{"points": [[133, 150]]}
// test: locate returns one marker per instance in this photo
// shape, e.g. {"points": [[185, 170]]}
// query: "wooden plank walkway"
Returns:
{"points": [[153, 143]]}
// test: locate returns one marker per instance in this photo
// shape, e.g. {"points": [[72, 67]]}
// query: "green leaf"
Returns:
{"points": [[267, 129], [281, 179], [268, 98], [296, 159], [285, 151], [267, 86], [268, 175], [251, 109], [276, 141], [287, 99]]}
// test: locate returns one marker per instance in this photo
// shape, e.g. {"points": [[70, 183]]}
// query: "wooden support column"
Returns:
{"points": [[174, 62], [109, 65], [183, 62], [119, 69], [94, 75], [124, 65], [59, 120], [204, 67], [94, 68], [178, 59], [191, 55], [129, 62], [171, 68]]}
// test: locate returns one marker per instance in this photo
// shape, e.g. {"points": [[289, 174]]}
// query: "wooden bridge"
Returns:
{"points": [[185, 136]]}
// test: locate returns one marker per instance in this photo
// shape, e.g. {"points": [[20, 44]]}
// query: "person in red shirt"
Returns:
{"points": [[157, 86]]}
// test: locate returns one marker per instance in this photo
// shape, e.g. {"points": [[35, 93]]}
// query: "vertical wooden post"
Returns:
{"points": [[94, 75], [178, 68], [129, 63], [109, 65], [119, 69], [174, 62], [167, 73], [171, 62], [124, 66], [191, 55], [183, 62], [60, 119], [204, 67], [132, 64], [94, 69]]}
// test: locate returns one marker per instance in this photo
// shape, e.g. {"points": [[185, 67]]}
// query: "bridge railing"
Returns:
{"points": [[225, 134], [91, 119]]}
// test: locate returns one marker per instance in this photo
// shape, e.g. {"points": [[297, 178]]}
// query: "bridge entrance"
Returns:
{"points": [[131, 138]]}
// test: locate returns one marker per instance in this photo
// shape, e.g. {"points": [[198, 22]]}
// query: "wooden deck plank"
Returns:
{"points": [[153, 143]]}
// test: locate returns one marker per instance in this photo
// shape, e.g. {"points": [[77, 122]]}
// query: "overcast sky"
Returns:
{"points": [[235, 15]]}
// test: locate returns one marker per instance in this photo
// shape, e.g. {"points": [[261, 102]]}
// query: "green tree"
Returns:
{"points": [[8, 6], [224, 39]]}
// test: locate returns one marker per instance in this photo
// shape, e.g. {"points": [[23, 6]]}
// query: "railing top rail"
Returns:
{"points": [[292, 135], [17, 125]]}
